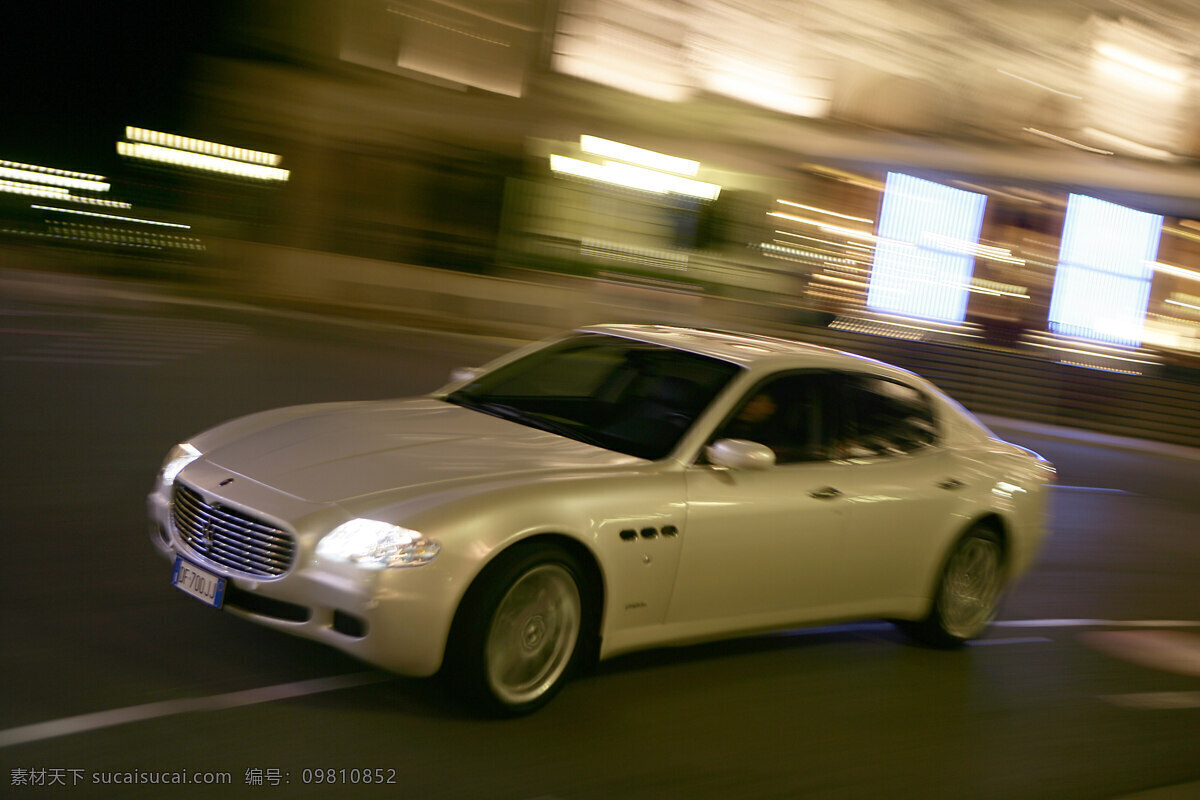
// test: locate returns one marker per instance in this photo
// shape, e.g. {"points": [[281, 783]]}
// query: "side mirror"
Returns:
{"points": [[464, 374], [740, 454]]}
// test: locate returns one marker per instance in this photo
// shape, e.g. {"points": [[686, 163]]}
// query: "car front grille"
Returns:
{"points": [[230, 537]]}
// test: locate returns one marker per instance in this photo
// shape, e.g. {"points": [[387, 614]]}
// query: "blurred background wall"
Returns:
{"points": [[1015, 178]]}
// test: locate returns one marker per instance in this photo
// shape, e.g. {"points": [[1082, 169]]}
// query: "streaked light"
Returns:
{"points": [[825, 226], [876, 328], [111, 216], [51, 170], [823, 253], [825, 211], [33, 190], [1137, 101], [636, 155], [1178, 272], [1105, 266], [635, 75], [200, 146], [1093, 347], [978, 250], [1100, 368], [901, 330], [1082, 352], [94, 201], [1038, 85], [1172, 301], [122, 237], [450, 28], [1068, 142], [1134, 64], [613, 251], [183, 158], [855, 284], [998, 289], [55, 193], [634, 177], [911, 274], [829, 242], [1181, 233], [1128, 145], [634, 47], [777, 89], [52, 179], [843, 176]]}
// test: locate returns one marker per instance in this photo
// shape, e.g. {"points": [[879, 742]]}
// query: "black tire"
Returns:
{"points": [[520, 630], [968, 592]]}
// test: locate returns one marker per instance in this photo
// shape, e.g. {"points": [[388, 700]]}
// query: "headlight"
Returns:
{"points": [[377, 545], [180, 456]]}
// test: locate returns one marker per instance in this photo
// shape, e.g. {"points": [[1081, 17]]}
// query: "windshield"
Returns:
{"points": [[624, 395]]}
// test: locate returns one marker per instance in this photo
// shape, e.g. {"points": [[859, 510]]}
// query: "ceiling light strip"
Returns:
{"points": [[200, 146], [194, 160]]}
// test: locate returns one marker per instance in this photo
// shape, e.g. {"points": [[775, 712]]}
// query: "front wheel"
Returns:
{"points": [[519, 630], [967, 594]]}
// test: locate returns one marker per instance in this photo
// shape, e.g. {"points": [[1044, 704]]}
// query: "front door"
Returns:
{"points": [[759, 544]]}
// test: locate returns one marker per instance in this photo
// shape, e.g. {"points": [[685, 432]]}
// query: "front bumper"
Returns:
{"points": [[396, 619]]}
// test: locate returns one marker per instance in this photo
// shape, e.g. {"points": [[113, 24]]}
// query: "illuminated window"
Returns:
{"points": [[928, 235], [1105, 267]]}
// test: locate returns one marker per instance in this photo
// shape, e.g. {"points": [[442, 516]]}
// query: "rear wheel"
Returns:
{"points": [[968, 592], [520, 629]]}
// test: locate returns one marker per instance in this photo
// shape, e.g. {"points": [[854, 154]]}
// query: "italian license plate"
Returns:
{"points": [[199, 583]]}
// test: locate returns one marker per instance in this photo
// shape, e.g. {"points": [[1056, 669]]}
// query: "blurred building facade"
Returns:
{"points": [[456, 135]]}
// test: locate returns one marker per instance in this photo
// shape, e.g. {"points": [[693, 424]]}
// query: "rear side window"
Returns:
{"points": [[883, 417]]}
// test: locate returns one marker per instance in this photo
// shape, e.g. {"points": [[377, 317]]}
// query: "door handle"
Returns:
{"points": [[951, 483], [828, 493]]}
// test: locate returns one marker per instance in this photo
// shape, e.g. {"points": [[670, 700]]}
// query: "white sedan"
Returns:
{"points": [[616, 488]]}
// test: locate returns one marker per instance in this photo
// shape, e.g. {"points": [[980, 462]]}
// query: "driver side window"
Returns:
{"points": [[784, 413]]}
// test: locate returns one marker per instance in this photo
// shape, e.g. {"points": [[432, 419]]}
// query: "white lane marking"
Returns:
{"points": [[120, 716], [1097, 489], [1155, 700], [1097, 623]]}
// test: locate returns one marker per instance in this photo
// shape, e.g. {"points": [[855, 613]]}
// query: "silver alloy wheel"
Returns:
{"points": [[533, 633], [971, 586]]}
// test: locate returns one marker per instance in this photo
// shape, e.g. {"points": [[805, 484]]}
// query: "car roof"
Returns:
{"points": [[746, 349]]}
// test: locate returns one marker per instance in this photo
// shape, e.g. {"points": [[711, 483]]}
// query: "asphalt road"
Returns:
{"points": [[1089, 687]]}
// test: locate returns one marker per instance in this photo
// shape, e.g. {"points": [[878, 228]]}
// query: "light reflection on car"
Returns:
{"points": [[616, 488]]}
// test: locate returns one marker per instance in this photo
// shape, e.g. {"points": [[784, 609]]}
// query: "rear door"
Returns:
{"points": [[901, 487]]}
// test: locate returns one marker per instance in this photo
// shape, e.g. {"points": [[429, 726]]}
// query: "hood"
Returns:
{"points": [[340, 452]]}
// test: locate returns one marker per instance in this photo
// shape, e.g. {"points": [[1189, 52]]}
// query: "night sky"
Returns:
{"points": [[75, 73]]}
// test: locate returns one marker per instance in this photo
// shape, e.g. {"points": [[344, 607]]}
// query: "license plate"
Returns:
{"points": [[199, 583]]}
